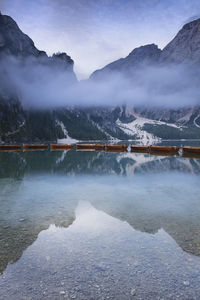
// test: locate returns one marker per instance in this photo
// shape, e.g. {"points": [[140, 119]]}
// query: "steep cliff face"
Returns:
{"points": [[18, 50], [13, 41], [185, 47]]}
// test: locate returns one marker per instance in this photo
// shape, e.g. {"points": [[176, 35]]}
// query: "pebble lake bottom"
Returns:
{"points": [[96, 225]]}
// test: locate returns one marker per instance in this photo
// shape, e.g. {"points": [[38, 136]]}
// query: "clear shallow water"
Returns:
{"points": [[95, 225]]}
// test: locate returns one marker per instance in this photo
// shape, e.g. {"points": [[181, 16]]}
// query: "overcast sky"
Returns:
{"points": [[96, 32]]}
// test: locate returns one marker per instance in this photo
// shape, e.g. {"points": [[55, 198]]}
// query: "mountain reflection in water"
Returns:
{"points": [[99, 257], [136, 214]]}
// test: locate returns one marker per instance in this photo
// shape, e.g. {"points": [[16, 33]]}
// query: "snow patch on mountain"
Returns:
{"points": [[67, 139], [195, 123], [187, 117], [135, 128], [17, 130]]}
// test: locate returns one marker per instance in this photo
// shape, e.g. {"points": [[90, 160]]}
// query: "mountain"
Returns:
{"points": [[185, 47], [14, 42], [16, 122], [144, 55], [149, 123], [20, 123]]}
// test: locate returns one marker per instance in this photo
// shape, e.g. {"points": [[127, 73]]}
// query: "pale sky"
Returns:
{"points": [[97, 32]]}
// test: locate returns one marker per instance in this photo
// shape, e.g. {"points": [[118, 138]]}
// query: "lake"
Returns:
{"points": [[97, 225]]}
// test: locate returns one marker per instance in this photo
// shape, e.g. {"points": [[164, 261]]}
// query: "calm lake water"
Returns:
{"points": [[96, 225]]}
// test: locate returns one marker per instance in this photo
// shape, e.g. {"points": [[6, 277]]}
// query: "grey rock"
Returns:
{"points": [[13, 41], [16, 43], [139, 57], [185, 47]]}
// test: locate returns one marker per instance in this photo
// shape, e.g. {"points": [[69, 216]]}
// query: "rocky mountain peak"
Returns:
{"points": [[13, 41], [146, 53], [63, 57], [16, 43], [62, 61], [191, 25], [185, 47]]}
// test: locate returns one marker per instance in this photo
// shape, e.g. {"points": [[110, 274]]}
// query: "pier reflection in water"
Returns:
{"points": [[92, 225]]}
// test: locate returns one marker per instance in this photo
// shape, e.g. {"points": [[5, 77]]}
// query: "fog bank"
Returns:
{"points": [[39, 85]]}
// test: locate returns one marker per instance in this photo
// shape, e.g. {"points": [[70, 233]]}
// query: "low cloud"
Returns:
{"points": [[39, 85]]}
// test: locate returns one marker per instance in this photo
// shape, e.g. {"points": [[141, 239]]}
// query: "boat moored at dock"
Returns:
{"points": [[186, 150], [31, 147], [10, 147], [191, 155], [60, 147], [164, 149], [85, 147], [116, 148], [140, 148], [100, 147]]}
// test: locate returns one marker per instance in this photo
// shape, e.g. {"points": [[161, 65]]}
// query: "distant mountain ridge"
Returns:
{"points": [[144, 55], [185, 47], [147, 124], [157, 122]]}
